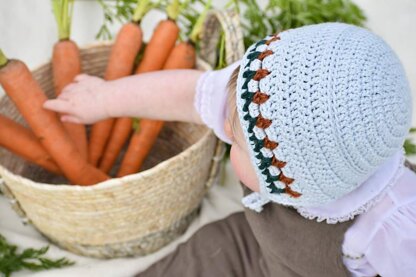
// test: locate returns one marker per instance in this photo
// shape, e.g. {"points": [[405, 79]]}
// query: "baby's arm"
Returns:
{"points": [[166, 95]]}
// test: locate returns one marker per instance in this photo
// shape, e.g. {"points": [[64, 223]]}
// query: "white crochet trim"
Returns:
{"points": [[363, 208], [255, 201]]}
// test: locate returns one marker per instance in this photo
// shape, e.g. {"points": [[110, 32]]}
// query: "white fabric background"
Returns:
{"points": [[28, 32]]}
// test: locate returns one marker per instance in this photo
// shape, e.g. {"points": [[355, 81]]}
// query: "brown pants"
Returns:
{"points": [[276, 242], [223, 248]]}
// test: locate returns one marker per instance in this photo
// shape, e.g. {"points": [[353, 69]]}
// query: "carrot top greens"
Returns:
{"points": [[3, 59], [32, 259], [62, 10]]}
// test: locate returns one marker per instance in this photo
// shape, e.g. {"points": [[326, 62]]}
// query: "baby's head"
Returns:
{"points": [[313, 112]]}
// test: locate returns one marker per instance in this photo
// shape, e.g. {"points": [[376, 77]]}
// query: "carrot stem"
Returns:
{"points": [[173, 9], [136, 124], [62, 10], [3, 59], [196, 30], [221, 62], [143, 7]]}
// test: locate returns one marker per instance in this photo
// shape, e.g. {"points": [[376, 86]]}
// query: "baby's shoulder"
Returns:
{"points": [[390, 218], [386, 234]]}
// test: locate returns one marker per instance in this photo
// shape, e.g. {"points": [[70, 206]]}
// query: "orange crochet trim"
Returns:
{"points": [[269, 144], [291, 192], [274, 38], [263, 122], [286, 180], [264, 54], [260, 74], [277, 163], [260, 97]]}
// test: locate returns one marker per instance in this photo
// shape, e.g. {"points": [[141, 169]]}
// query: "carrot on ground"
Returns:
{"points": [[22, 142], [66, 64], [28, 97]]}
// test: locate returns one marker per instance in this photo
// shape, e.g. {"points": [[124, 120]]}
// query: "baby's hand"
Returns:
{"points": [[82, 101]]}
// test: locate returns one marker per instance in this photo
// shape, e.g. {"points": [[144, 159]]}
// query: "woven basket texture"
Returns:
{"points": [[133, 215], [136, 214]]}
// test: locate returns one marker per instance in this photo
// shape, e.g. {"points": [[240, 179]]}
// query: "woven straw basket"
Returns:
{"points": [[136, 214]]}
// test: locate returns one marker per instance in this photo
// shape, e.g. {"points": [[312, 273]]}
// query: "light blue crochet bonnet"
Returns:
{"points": [[322, 107]]}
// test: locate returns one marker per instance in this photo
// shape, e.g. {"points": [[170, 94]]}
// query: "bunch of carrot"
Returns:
{"points": [[162, 52], [64, 148], [57, 147], [49, 136]]}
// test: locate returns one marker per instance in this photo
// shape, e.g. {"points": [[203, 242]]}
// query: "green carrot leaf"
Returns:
{"points": [[409, 147], [3, 59], [31, 259], [63, 10]]}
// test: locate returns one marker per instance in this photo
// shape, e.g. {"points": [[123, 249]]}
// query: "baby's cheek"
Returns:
{"points": [[243, 168]]}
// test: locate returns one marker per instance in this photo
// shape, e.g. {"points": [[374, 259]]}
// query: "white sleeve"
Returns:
{"points": [[211, 99], [383, 240]]}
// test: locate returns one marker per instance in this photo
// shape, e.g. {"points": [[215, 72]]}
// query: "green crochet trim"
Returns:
{"points": [[258, 144], [265, 162]]}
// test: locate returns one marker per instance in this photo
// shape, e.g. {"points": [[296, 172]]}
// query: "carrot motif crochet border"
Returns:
{"points": [[263, 123]]}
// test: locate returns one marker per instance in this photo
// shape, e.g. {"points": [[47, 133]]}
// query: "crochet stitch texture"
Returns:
{"points": [[322, 107]]}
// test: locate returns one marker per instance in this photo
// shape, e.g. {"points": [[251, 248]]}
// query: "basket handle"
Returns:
{"points": [[2, 184], [215, 171], [13, 202], [218, 21], [410, 165]]}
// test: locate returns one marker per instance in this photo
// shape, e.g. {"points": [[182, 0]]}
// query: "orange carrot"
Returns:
{"points": [[160, 45], [28, 97], [120, 134], [155, 55], [98, 139], [182, 56], [22, 142], [66, 64], [140, 145], [120, 64], [160, 53]]}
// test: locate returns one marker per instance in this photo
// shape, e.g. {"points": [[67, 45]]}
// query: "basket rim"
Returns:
{"points": [[112, 181], [116, 181], [85, 47], [106, 43]]}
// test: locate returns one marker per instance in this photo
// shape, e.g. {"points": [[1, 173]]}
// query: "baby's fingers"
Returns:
{"points": [[57, 105], [70, 118], [69, 88], [81, 77], [85, 78]]}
